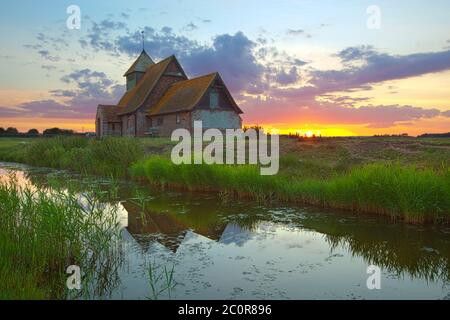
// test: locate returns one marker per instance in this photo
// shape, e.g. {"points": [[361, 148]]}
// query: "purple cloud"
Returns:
{"points": [[258, 68], [285, 78], [92, 88], [376, 68]]}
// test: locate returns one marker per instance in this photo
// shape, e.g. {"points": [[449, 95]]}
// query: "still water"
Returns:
{"points": [[222, 248]]}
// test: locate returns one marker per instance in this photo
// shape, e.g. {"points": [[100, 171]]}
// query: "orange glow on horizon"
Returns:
{"points": [[24, 124], [434, 125], [413, 128]]}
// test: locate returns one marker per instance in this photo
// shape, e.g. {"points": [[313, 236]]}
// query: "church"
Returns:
{"points": [[160, 98]]}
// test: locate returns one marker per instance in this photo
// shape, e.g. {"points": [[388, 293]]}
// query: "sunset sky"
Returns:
{"points": [[316, 65]]}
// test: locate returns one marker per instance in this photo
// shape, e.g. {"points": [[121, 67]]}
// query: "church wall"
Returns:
{"points": [[169, 123], [128, 125], [103, 128], [143, 122], [114, 129], [220, 119], [224, 102]]}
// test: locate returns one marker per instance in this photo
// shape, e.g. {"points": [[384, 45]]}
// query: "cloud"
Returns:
{"points": [[100, 33], [268, 83], [356, 53], [235, 56], [48, 67], [92, 88], [285, 78], [159, 43], [232, 56], [42, 108], [374, 68], [81, 77], [298, 32], [46, 55], [190, 27], [336, 112], [33, 46]]}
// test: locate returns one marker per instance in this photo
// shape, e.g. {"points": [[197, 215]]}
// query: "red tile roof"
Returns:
{"points": [[181, 96], [110, 112], [185, 95], [135, 97]]}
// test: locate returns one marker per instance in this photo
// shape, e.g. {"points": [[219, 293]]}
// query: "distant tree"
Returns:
{"points": [[435, 135], [33, 132], [12, 131], [57, 131], [2, 131]]}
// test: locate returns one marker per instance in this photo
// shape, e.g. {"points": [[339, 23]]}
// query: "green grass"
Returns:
{"points": [[403, 192], [42, 232], [402, 177], [11, 149], [109, 157]]}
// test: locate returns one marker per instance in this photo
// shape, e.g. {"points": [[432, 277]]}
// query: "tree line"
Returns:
{"points": [[13, 132]]}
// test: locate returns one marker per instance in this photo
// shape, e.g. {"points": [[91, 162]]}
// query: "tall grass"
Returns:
{"points": [[106, 157], [42, 232], [160, 281], [403, 192]]}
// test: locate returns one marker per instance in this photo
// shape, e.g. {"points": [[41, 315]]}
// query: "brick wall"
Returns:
{"points": [[170, 123], [128, 125], [104, 128]]}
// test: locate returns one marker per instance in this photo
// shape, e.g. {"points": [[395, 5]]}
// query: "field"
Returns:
{"points": [[326, 157], [406, 178]]}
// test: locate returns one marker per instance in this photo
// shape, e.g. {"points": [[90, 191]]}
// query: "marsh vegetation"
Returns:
{"points": [[45, 230], [405, 178], [181, 244]]}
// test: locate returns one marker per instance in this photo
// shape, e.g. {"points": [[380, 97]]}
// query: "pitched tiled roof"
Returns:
{"points": [[185, 95], [135, 97], [141, 64], [110, 112]]}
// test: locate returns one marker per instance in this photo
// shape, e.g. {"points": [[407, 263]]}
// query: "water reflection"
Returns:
{"points": [[241, 250]]}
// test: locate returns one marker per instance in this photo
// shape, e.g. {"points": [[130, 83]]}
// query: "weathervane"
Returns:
{"points": [[143, 40]]}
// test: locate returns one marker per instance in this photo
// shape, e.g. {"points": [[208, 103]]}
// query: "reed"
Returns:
{"points": [[403, 192], [109, 157], [43, 232]]}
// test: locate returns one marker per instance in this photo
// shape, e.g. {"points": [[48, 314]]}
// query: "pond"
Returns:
{"points": [[216, 247]]}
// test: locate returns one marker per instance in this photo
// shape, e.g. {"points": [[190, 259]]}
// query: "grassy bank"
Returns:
{"points": [[404, 192], [107, 157], [406, 178], [42, 233]]}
